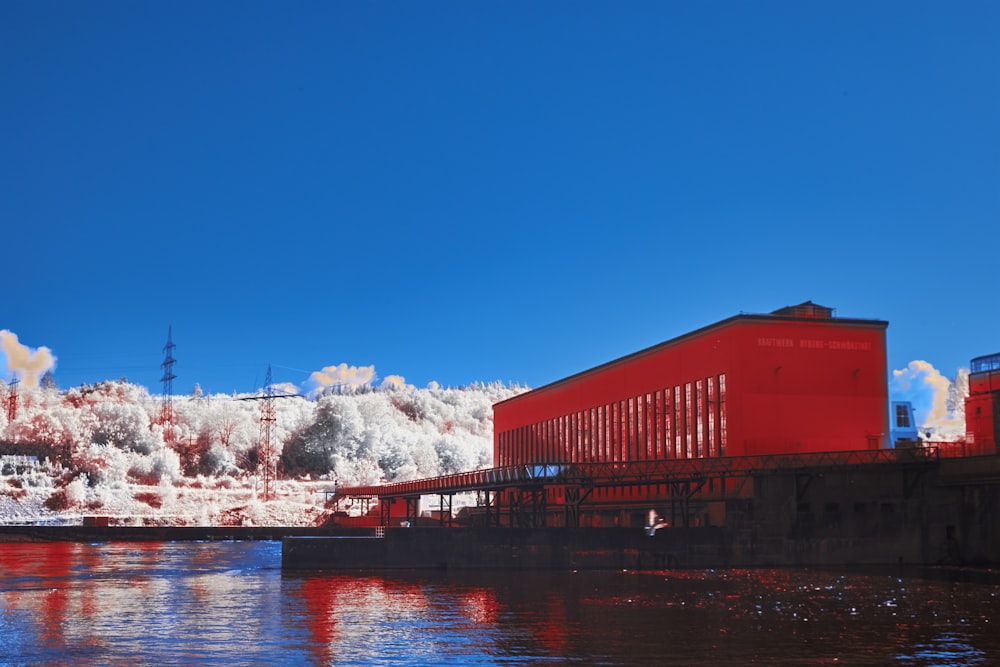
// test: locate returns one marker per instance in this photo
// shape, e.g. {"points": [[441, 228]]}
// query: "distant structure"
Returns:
{"points": [[12, 400], [796, 380], [982, 406], [267, 457], [266, 463], [167, 408], [902, 425]]}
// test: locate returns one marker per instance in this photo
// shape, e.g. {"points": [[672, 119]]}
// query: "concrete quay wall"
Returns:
{"points": [[931, 513], [942, 512]]}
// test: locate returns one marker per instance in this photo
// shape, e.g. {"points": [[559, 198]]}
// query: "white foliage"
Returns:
{"points": [[104, 465], [108, 439], [168, 494], [76, 490], [123, 425]]}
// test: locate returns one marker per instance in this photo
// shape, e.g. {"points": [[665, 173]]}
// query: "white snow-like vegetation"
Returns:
{"points": [[106, 450]]}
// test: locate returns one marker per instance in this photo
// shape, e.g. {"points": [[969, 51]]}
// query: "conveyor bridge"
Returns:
{"points": [[527, 483]]}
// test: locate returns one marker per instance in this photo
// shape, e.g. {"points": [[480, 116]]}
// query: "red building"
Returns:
{"points": [[982, 406], [795, 380]]}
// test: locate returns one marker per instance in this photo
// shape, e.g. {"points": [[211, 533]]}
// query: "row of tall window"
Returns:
{"points": [[678, 422]]}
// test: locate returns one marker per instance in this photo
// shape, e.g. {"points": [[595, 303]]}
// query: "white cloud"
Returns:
{"points": [[25, 364], [340, 376], [395, 382], [939, 410]]}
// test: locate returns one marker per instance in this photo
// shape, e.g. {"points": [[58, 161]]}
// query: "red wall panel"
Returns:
{"points": [[982, 409]]}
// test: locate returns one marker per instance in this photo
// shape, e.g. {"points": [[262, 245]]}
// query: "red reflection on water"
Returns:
{"points": [[480, 606], [553, 631], [335, 604], [44, 566], [339, 609], [88, 560], [319, 594], [55, 564]]}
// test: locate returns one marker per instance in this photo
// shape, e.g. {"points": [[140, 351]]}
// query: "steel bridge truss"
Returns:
{"points": [[520, 492]]}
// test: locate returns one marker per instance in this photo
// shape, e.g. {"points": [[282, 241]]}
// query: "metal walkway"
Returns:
{"points": [[526, 483]]}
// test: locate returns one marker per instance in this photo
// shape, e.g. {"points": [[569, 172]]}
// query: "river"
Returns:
{"points": [[229, 603]]}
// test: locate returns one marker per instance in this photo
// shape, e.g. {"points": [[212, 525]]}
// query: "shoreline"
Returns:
{"points": [[10, 533]]}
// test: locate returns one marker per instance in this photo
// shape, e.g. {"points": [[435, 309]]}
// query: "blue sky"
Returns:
{"points": [[471, 191]]}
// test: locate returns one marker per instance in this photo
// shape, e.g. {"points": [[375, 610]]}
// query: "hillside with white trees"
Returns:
{"points": [[107, 450], [110, 449]]}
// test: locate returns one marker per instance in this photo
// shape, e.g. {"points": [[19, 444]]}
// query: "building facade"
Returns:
{"points": [[982, 406], [902, 425], [797, 380]]}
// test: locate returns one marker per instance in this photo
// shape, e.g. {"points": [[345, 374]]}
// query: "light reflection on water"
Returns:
{"points": [[228, 603]]}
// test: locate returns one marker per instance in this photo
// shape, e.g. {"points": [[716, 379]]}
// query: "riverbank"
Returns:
{"points": [[155, 533]]}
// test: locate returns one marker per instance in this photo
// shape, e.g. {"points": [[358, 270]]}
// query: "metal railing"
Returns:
{"points": [[641, 472]]}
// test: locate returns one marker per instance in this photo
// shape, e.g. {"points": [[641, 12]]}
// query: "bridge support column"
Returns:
{"points": [[412, 509]]}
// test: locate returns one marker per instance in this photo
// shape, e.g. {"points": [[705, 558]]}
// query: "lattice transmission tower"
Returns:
{"points": [[266, 460], [167, 407], [267, 456], [12, 400]]}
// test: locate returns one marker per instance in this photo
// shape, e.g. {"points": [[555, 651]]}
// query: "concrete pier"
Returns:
{"points": [[940, 512]]}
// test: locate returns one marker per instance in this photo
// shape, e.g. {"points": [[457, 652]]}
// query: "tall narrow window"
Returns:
{"points": [[539, 453], [650, 411], [567, 450], [678, 422], [574, 447], [699, 417], [640, 431], [608, 441], [623, 429], [713, 408], [598, 443], [592, 432], [629, 428], [543, 440], [599, 434], [560, 438], [554, 446], [569, 434], [688, 420], [722, 414], [616, 430], [668, 420], [658, 410], [550, 437], [577, 437]]}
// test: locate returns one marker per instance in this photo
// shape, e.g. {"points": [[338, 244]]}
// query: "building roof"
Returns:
{"points": [[804, 311], [988, 362]]}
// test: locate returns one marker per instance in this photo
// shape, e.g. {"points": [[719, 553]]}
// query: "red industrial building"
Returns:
{"points": [[982, 405], [778, 420], [797, 380]]}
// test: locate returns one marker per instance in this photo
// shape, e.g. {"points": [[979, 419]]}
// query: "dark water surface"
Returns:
{"points": [[228, 603]]}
